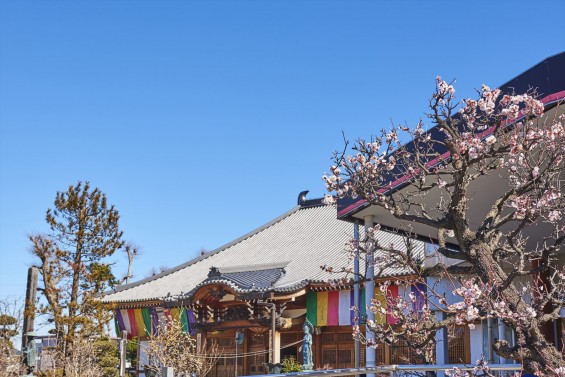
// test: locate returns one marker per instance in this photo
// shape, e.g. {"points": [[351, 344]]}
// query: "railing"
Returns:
{"points": [[395, 370]]}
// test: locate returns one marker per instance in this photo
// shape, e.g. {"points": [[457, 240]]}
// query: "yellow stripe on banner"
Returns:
{"points": [[322, 309], [380, 304], [175, 314], [139, 322]]}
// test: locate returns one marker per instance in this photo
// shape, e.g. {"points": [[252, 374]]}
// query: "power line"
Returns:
{"points": [[233, 355]]}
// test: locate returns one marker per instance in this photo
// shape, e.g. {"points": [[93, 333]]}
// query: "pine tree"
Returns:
{"points": [[73, 262]]}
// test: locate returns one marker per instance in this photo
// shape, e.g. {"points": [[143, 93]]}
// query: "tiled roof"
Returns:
{"points": [[256, 278], [302, 240]]}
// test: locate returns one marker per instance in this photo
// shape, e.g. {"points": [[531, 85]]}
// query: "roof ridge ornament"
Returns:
{"points": [[302, 197], [214, 271]]}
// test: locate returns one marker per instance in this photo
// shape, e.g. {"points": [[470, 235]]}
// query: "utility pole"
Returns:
{"points": [[29, 308]]}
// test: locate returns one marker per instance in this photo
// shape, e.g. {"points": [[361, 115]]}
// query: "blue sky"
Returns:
{"points": [[203, 120]]}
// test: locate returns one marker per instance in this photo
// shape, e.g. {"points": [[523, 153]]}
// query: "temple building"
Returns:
{"points": [[269, 282], [273, 270]]}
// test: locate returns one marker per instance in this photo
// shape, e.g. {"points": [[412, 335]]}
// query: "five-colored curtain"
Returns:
{"points": [[145, 321], [333, 308]]}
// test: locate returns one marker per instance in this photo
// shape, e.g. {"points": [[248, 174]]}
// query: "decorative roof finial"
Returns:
{"points": [[302, 197]]}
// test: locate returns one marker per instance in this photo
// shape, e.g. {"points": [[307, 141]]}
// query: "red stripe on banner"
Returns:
{"points": [[132, 323], [168, 315], [333, 308], [391, 295]]}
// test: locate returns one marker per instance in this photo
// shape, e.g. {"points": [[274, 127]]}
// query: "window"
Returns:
{"points": [[458, 345]]}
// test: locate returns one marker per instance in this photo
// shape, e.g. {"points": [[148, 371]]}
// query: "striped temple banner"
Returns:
{"points": [[380, 302], [144, 321], [322, 309], [345, 302], [333, 308], [391, 294], [419, 291]]}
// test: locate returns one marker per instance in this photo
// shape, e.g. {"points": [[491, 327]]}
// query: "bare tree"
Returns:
{"points": [[174, 347], [11, 317], [132, 251], [157, 270], [505, 262]]}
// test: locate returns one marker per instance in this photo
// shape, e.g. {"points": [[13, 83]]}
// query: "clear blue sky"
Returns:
{"points": [[203, 120]]}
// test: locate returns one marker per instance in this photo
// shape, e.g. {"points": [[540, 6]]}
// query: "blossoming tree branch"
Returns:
{"points": [[496, 268]]}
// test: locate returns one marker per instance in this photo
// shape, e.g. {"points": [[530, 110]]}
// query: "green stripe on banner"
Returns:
{"points": [[118, 332], [363, 307], [312, 308], [146, 320], [184, 320]]}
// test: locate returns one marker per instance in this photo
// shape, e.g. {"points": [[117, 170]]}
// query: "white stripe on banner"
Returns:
{"points": [[404, 294], [125, 317], [344, 306]]}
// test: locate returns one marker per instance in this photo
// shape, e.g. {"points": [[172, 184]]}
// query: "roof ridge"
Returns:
{"points": [[252, 267], [204, 256]]}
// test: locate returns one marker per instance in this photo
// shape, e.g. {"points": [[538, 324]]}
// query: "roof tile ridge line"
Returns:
{"points": [[252, 267], [202, 257]]}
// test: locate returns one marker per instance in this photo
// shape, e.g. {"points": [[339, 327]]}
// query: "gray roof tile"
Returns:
{"points": [[302, 240]]}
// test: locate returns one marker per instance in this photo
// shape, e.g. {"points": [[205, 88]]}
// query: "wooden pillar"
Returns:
{"points": [[247, 339]]}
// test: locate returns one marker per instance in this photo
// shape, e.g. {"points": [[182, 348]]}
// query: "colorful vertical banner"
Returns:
{"points": [[333, 308], [147, 321], [391, 295], [119, 322], [380, 301], [322, 309], [139, 322], [155, 319], [191, 318], [175, 314], [117, 328], [344, 307], [132, 322], [419, 290], [312, 308], [144, 321]]}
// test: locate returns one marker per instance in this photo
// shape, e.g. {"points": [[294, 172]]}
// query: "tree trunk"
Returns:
{"points": [[534, 350]]}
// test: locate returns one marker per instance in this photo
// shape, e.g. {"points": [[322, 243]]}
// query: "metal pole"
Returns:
{"points": [[502, 335], [273, 327], [236, 334], [489, 340], [356, 290], [369, 295]]}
